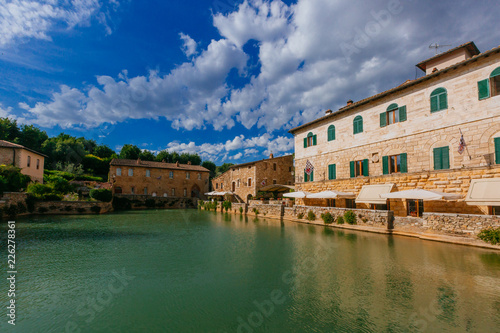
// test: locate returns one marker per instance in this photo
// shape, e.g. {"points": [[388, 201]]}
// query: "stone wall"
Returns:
{"points": [[366, 217], [72, 207], [147, 201], [451, 224], [266, 210], [235, 207]]}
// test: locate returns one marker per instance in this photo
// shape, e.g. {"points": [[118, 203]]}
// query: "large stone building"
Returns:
{"points": [[158, 178], [409, 137], [246, 179], [29, 161]]}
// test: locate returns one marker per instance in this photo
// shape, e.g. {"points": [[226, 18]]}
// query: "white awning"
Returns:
{"points": [[331, 195], [484, 192], [370, 194], [419, 194], [218, 193], [299, 194]]}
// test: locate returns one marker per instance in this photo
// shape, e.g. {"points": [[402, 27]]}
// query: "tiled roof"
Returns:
{"points": [[158, 165], [7, 144], [470, 46], [403, 86], [236, 166]]}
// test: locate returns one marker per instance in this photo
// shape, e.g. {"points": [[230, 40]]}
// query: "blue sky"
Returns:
{"points": [[224, 79]]}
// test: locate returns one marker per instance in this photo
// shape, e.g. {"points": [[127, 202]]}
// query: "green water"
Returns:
{"points": [[191, 271]]}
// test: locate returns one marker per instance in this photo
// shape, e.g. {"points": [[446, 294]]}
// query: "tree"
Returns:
{"points": [[223, 168], [164, 156], [96, 165], [32, 137], [104, 151], [130, 152], [8, 129], [146, 155], [63, 148], [210, 166]]}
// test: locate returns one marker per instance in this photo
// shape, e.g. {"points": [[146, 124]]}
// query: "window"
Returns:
{"points": [[132, 190], [394, 164], [358, 125], [130, 172], [238, 183], [330, 202], [350, 203], [332, 171], [148, 173], [216, 186], [118, 190], [274, 166], [439, 100], [415, 208], [331, 133], [118, 171], [274, 181], [185, 192], [37, 164], [145, 190], [308, 178], [199, 176], [442, 158], [497, 150], [379, 206], [173, 192], [221, 186], [171, 175], [489, 87], [188, 176], [359, 168], [165, 194], [394, 114], [29, 161], [249, 181], [495, 210], [310, 140], [289, 169]]}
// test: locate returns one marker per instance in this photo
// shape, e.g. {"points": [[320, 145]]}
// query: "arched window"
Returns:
{"points": [[358, 125], [148, 173], [331, 133], [310, 140], [393, 114], [495, 82], [489, 87], [130, 172], [439, 100]]}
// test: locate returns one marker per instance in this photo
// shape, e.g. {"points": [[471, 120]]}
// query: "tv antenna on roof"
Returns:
{"points": [[437, 47]]}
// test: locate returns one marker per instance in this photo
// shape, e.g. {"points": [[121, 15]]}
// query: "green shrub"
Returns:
{"points": [[121, 203], [300, 216], [21, 208], [89, 178], [241, 210], [350, 217], [3, 185], [58, 184], [490, 235], [340, 220], [101, 195], [95, 209], [42, 210], [311, 216], [12, 179], [11, 211], [226, 205], [81, 210], [256, 211], [327, 218], [30, 203]]}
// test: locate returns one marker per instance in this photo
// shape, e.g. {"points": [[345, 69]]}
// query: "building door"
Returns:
{"points": [[195, 191], [233, 187]]}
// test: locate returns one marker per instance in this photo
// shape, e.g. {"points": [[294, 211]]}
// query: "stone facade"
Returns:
{"points": [[72, 207], [246, 179], [29, 161], [417, 137], [158, 179]]}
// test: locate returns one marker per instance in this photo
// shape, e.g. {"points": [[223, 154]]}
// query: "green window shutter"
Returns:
{"points": [[437, 159], [445, 157], [331, 133], [351, 166], [434, 104], [383, 119], [484, 89], [497, 150], [443, 101], [404, 163], [496, 72], [402, 113], [312, 176], [305, 177], [314, 140], [355, 127], [360, 125], [305, 142], [385, 165], [332, 172], [365, 168]]}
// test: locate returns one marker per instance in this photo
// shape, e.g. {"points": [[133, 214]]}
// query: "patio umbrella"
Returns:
{"points": [[331, 195], [298, 195], [210, 193], [419, 194]]}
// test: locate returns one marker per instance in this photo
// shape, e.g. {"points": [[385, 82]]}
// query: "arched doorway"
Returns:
{"points": [[233, 187], [248, 198], [195, 191], [118, 190]]}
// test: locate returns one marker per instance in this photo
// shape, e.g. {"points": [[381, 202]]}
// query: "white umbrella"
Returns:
{"points": [[210, 193], [298, 195], [331, 195], [419, 194]]}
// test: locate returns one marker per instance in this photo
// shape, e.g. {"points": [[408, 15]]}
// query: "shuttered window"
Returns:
{"points": [[497, 150], [332, 171], [483, 88], [394, 114], [359, 168], [439, 100], [358, 125], [310, 140], [442, 158], [308, 178], [331, 133], [394, 164], [495, 82]]}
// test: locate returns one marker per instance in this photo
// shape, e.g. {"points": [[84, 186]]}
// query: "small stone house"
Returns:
{"points": [[28, 160]]}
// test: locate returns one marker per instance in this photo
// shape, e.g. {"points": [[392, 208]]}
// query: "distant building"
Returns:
{"points": [[410, 137], [246, 179], [29, 161], [158, 178]]}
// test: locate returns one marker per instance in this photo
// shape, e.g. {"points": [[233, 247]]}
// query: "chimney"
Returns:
{"points": [[189, 162], [271, 156], [138, 161], [328, 111], [177, 164], [162, 161], [349, 102]]}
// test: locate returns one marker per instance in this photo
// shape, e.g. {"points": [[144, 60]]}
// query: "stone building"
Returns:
{"points": [[29, 161], [158, 178], [246, 179], [409, 137]]}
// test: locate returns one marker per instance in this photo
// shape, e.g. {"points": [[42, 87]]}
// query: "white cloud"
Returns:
{"points": [[24, 19], [189, 45], [236, 157]]}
